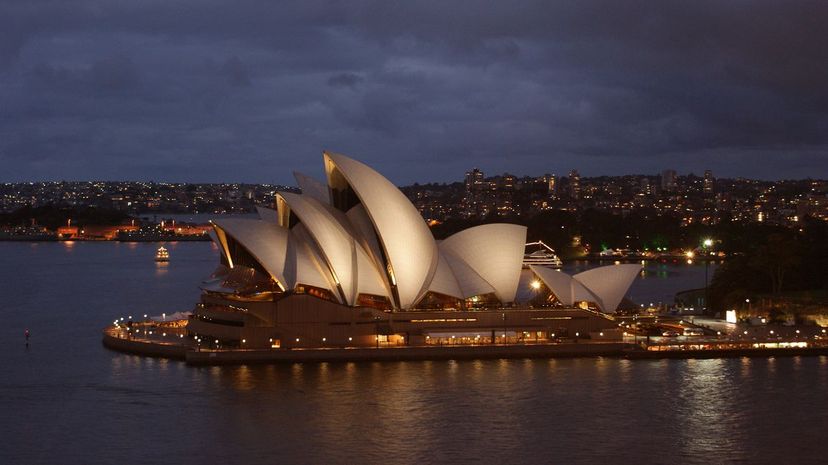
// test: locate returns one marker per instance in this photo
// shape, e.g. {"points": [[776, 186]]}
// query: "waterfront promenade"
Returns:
{"points": [[173, 346]]}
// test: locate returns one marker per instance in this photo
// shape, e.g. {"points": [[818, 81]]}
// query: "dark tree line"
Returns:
{"points": [[781, 260]]}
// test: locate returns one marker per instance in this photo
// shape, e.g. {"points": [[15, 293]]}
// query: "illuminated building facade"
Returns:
{"points": [[350, 262]]}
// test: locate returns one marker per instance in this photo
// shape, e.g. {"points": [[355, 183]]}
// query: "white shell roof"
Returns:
{"points": [[403, 233], [495, 252], [307, 263], [471, 284], [267, 242], [364, 234], [609, 283], [312, 188], [337, 247], [605, 285], [565, 288], [334, 250], [268, 214], [369, 281], [444, 281]]}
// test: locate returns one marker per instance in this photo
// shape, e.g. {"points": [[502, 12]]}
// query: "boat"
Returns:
{"points": [[162, 255], [542, 256]]}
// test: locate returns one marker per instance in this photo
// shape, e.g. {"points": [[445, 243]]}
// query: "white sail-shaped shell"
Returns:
{"points": [[605, 285], [266, 242], [403, 234], [312, 188], [494, 252], [609, 283]]}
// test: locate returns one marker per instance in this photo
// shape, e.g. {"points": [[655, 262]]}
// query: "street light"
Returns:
{"points": [[707, 244]]}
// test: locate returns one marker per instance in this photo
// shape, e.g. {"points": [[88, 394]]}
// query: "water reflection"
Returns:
{"points": [[487, 411], [745, 367], [438, 411], [705, 416], [243, 379], [161, 268]]}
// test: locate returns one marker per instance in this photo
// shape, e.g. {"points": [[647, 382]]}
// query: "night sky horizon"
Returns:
{"points": [[250, 91]]}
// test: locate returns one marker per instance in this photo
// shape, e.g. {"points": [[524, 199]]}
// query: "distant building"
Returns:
{"points": [[551, 184], [508, 182], [709, 183], [475, 184], [646, 188], [574, 185], [668, 180], [474, 180]]}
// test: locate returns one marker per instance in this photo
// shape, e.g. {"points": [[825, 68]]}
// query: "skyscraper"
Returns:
{"points": [[574, 185], [709, 183], [474, 180]]}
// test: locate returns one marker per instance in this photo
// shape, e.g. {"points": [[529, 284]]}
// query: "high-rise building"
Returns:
{"points": [[709, 183], [508, 182], [574, 185], [668, 180], [646, 189], [552, 184], [474, 180]]}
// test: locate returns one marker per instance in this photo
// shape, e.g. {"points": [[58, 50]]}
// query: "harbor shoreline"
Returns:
{"points": [[206, 357]]}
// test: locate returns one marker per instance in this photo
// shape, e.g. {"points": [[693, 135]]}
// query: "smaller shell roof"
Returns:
{"points": [[605, 285], [267, 242], [312, 188], [336, 245], [494, 252], [609, 283]]}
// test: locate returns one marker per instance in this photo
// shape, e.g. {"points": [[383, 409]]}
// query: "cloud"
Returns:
{"points": [[344, 80], [422, 90], [236, 72]]}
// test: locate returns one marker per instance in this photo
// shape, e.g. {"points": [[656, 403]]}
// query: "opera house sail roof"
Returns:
{"points": [[605, 286], [357, 240]]}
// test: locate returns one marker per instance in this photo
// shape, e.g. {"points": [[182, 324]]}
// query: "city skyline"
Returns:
{"points": [[447, 178], [196, 92], [705, 199]]}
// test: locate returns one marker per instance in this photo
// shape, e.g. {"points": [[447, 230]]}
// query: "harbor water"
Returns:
{"points": [[65, 399]]}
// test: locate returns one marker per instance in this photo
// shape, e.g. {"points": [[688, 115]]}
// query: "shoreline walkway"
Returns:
{"points": [[116, 340]]}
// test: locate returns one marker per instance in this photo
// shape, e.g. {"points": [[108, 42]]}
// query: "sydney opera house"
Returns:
{"points": [[351, 263]]}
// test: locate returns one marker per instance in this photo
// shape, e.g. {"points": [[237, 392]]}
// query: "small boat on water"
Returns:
{"points": [[542, 256], [162, 255]]}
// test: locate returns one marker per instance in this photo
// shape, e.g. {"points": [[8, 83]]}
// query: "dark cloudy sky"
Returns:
{"points": [[209, 90]]}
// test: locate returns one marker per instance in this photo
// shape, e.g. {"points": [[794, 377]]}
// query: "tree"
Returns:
{"points": [[779, 254]]}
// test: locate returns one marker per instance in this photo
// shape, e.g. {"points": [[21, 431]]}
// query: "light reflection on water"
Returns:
{"points": [[97, 406], [486, 411]]}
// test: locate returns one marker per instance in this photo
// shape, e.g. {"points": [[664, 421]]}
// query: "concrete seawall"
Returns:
{"points": [[456, 352], [114, 341], [146, 348]]}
